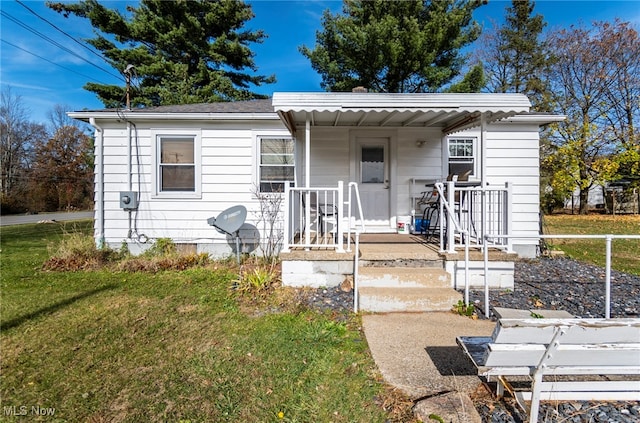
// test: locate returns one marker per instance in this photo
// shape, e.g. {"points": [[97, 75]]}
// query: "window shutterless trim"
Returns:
{"points": [[159, 135]]}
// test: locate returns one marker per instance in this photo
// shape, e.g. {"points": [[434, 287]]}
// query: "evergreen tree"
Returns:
{"points": [[394, 46], [516, 59], [182, 51]]}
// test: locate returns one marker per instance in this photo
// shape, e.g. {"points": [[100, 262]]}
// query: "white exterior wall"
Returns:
{"points": [[423, 163], [229, 174], [513, 155], [228, 157]]}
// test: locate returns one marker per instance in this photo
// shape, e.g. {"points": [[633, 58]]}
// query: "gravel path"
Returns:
{"points": [[558, 283]]}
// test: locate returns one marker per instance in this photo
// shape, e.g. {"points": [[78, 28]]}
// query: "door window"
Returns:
{"points": [[372, 165]]}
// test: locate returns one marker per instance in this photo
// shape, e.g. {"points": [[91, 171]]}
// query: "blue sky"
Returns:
{"points": [[44, 74]]}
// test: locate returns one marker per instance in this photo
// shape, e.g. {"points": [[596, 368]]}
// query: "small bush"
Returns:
{"points": [[256, 280], [77, 251], [463, 309], [161, 247]]}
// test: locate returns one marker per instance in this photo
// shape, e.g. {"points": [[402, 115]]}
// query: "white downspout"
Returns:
{"points": [[99, 219]]}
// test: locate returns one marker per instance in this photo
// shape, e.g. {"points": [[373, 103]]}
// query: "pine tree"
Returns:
{"points": [[182, 51], [515, 57], [394, 46]]}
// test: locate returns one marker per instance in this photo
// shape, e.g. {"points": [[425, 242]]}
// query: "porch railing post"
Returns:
{"points": [[340, 219], [451, 248], [483, 217], [509, 221], [607, 278], [307, 216], [288, 219]]}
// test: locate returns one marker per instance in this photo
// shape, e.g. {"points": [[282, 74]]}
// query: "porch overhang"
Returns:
{"points": [[449, 112]]}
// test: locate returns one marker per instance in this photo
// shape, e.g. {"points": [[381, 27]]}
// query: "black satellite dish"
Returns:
{"points": [[229, 222]]}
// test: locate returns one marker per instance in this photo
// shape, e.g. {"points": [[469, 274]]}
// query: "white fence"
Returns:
{"points": [[480, 210], [319, 217], [608, 249]]}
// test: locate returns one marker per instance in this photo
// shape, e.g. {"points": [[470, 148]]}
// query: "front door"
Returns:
{"points": [[373, 180]]}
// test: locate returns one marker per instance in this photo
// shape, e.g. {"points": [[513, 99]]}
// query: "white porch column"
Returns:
{"points": [[307, 152], [483, 149], [307, 179]]}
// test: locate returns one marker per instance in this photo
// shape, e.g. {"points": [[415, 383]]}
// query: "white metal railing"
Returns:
{"points": [[354, 191], [608, 248], [319, 216], [480, 210], [453, 223]]}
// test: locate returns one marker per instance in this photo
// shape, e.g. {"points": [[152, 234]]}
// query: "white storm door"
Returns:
{"points": [[373, 181]]}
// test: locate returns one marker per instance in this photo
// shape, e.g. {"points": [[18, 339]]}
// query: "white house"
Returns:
{"points": [[181, 165]]}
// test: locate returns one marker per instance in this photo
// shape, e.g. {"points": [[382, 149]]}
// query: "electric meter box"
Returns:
{"points": [[128, 200]]}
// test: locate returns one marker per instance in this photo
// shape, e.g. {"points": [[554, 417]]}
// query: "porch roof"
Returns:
{"points": [[450, 112]]}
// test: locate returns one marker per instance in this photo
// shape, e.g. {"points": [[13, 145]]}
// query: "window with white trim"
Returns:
{"points": [[276, 163], [177, 165], [462, 155]]}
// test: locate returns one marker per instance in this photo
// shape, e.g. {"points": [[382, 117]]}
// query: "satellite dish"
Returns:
{"points": [[229, 222], [249, 239]]}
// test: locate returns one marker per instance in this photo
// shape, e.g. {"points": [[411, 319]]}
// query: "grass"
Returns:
{"points": [[117, 346], [625, 252]]}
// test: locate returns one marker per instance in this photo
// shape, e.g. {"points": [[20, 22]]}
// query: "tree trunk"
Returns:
{"points": [[584, 201]]}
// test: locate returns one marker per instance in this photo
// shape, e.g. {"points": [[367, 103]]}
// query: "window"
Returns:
{"points": [[277, 163], [372, 165], [461, 156], [177, 165]]}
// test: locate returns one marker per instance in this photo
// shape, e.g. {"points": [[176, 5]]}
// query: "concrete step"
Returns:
{"points": [[403, 277], [387, 300]]}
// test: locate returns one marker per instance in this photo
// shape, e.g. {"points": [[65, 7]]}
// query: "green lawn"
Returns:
{"points": [[102, 346], [625, 252]]}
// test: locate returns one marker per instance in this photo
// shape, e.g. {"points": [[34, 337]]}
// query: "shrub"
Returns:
{"points": [[77, 251], [161, 247], [256, 280]]}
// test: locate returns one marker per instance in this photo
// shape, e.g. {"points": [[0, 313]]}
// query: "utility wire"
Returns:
{"points": [[80, 43], [52, 41], [53, 63]]}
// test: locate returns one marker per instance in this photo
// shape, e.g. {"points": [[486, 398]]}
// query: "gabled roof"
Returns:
{"points": [[221, 110], [450, 112]]}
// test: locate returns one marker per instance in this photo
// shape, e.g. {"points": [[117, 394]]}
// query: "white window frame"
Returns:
{"points": [[258, 156], [473, 159], [157, 136]]}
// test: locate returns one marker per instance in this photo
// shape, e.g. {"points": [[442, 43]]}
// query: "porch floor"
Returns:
{"points": [[392, 246]]}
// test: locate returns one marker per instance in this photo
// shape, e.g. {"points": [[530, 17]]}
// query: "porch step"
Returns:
{"points": [[402, 289], [404, 277], [387, 300]]}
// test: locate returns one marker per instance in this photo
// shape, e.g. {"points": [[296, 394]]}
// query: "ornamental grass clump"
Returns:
{"points": [[77, 251], [256, 280]]}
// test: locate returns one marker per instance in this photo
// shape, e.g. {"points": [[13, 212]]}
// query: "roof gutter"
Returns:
{"points": [[121, 115]]}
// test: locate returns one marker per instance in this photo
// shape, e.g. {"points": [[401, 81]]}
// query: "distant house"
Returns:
{"points": [[181, 165]]}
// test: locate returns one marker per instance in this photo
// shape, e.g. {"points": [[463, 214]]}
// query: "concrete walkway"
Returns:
{"points": [[417, 353]]}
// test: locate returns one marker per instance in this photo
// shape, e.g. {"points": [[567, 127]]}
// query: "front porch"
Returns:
{"points": [[397, 272]]}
